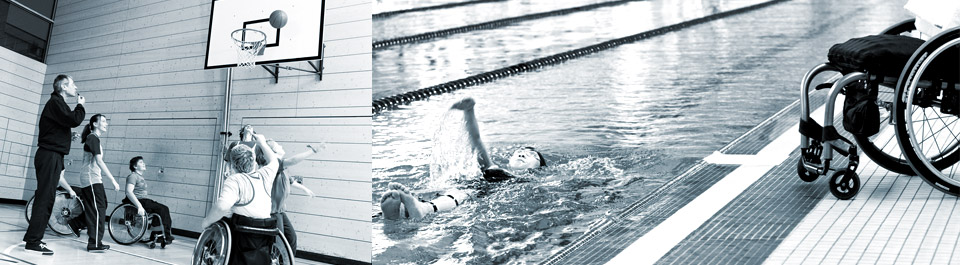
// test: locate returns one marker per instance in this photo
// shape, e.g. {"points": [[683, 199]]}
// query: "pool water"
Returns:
{"points": [[613, 126]]}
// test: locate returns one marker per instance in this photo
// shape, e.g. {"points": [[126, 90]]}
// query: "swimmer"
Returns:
{"points": [[398, 203], [522, 158]]}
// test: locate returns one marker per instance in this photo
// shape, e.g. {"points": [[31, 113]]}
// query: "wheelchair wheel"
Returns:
{"points": [[28, 210], [125, 225], [64, 210], [928, 127], [844, 184], [882, 148], [805, 174], [281, 253], [213, 246]]}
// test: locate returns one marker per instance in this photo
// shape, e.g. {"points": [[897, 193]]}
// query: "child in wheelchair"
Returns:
{"points": [[246, 194], [136, 194]]}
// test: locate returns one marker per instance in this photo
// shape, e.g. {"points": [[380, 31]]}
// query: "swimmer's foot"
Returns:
{"points": [[398, 186]]}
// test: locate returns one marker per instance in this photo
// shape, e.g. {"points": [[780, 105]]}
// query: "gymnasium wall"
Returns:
{"points": [[141, 63], [21, 79]]}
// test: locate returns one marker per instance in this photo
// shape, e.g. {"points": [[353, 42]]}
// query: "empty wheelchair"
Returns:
{"points": [[126, 226], [213, 246], [64, 210], [873, 69]]}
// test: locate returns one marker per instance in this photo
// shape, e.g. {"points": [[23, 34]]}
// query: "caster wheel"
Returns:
{"points": [[163, 242], [153, 245], [805, 174], [844, 185]]}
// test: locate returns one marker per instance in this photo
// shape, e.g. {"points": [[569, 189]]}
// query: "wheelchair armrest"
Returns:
{"points": [[903, 26]]}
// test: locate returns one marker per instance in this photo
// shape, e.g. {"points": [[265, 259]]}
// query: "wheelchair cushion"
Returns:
{"points": [[878, 54]]}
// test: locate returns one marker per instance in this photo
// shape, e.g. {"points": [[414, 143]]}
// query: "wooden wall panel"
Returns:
{"points": [[21, 79], [140, 62]]}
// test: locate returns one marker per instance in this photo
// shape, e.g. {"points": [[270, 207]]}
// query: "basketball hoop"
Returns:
{"points": [[249, 44]]}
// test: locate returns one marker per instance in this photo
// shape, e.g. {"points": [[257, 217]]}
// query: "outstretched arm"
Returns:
{"points": [[473, 131], [303, 188], [296, 159]]}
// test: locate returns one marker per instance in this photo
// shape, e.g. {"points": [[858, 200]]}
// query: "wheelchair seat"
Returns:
{"points": [[884, 55]]}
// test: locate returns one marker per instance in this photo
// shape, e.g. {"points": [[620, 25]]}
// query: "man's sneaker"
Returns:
{"points": [[40, 248], [168, 239], [100, 249]]}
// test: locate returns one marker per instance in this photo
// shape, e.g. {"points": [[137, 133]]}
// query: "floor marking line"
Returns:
{"points": [[18, 259], [656, 243]]}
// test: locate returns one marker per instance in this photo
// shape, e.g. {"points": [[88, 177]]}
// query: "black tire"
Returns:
{"points": [[805, 174], [281, 253], [28, 210], [936, 168], [844, 184], [213, 246], [883, 159]]}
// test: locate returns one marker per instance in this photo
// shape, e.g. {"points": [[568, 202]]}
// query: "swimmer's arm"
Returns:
{"points": [[473, 130]]}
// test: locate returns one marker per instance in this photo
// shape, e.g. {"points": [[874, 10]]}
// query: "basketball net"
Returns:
{"points": [[249, 43]]}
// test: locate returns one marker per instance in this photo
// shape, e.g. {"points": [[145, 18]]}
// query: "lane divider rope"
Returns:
{"points": [[387, 14], [499, 23], [392, 102]]}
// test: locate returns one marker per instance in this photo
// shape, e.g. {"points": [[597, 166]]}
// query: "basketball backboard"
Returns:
{"points": [[300, 39]]}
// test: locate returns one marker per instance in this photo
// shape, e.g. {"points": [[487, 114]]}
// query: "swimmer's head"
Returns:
{"points": [[526, 157]]}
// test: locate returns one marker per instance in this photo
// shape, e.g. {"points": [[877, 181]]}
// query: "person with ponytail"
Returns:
{"points": [[91, 183], [282, 185]]}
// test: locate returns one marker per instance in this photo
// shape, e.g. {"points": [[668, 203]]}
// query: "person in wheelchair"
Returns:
{"points": [[137, 196], [246, 195]]}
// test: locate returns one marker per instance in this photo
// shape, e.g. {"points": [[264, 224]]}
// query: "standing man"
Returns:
{"points": [[53, 143]]}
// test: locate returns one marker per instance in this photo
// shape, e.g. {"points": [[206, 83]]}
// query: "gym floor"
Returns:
{"points": [[72, 250]]}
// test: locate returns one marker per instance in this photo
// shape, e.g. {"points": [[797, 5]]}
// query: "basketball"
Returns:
{"points": [[278, 19]]}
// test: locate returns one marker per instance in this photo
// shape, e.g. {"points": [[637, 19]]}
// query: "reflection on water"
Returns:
{"points": [[613, 126], [406, 68]]}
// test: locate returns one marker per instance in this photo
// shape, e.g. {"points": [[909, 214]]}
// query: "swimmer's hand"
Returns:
{"points": [[464, 104]]}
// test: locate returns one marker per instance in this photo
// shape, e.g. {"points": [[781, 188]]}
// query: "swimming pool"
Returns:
{"points": [[613, 125]]}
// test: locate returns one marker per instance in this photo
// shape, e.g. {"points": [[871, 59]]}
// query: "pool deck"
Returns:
{"points": [[745, 204], [72, 250]]}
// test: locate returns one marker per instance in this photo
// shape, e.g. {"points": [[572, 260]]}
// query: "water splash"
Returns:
{"points": [[453, 159]]}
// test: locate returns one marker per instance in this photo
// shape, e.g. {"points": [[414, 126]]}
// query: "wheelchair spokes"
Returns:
{"points": [[213, 246], [126, 227], [927, 111]]}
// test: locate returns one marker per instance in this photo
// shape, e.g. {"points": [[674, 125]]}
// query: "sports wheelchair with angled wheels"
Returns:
{"points": [[214, 245], [126, 226], [64, 210], [873, 79]]}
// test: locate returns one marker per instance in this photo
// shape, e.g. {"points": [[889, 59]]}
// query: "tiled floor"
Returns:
{"points": [[71, 250]]}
